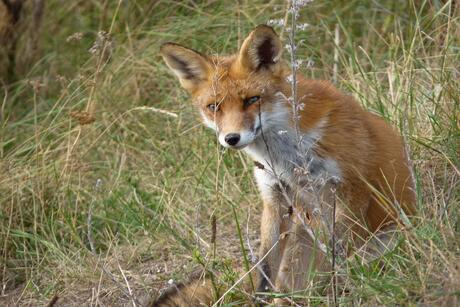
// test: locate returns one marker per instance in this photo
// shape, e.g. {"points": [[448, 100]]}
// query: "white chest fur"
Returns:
{"points": [[292, 161], [291, 174]]}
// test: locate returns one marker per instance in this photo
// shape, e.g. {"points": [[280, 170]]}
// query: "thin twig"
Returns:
{"points": [[89, 219], [334, 274], [245, 274], [127, 284], [120, 285], [335, 69], [156, 110], [251, 251], [89, 233], [293, 48]]}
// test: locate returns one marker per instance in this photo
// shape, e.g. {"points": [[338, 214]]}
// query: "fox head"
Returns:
{"points": [[235, 94]]}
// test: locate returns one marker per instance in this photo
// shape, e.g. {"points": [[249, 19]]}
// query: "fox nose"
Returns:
{"points": [[232, 139]]}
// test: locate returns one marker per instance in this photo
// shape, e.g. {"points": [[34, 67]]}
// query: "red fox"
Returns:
{"points": [[334, 157]]}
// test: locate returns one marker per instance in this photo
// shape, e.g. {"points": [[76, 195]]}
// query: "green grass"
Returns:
{"points": [[162, 178]]}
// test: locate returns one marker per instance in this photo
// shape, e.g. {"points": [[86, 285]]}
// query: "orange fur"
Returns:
{"points": [[245, 98], [197, 292]]}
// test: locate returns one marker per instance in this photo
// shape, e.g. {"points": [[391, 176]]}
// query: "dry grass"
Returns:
{"points": [[85, 149]]}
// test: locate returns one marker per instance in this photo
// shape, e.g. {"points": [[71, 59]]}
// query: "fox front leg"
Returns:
{"points": [[270, 249], [273, 224]]}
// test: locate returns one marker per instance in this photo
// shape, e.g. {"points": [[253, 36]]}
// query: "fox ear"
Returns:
{"points": [[190, 66], [261, 49]]}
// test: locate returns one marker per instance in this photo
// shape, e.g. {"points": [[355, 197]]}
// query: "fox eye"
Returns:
{"points": [[213, 107], [251, 100]]}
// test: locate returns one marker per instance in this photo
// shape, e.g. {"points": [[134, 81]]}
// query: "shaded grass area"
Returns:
{"points": [[107, 212]]}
